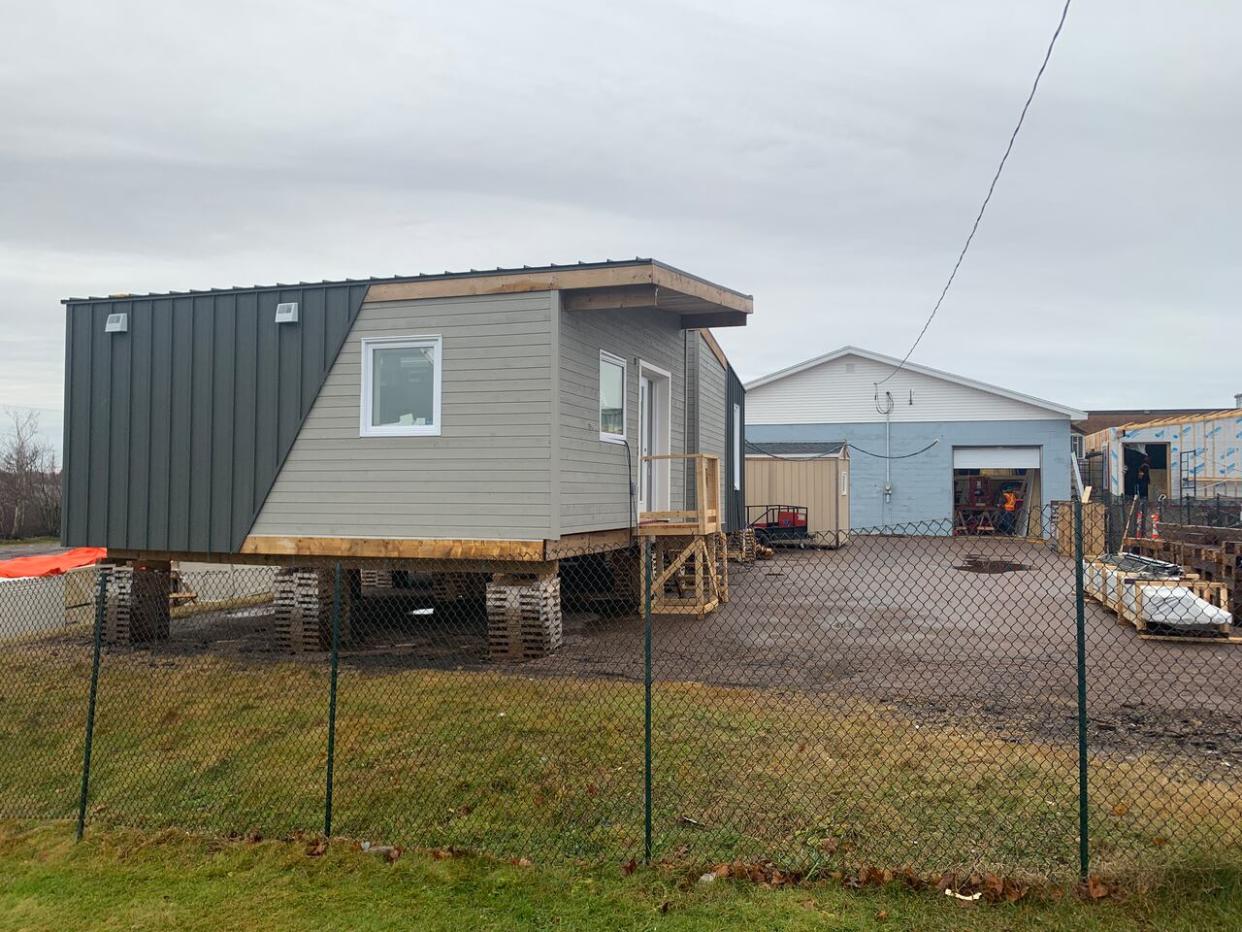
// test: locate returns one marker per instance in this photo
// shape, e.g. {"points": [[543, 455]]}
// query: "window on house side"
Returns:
{"points": [[611, 397], [401, 380]]}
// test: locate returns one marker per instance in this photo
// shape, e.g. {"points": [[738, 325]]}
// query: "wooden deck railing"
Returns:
{"points": [[702, 519]]}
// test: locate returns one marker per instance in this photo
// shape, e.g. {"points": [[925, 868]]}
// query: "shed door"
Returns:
{"points": [[996, 457]]}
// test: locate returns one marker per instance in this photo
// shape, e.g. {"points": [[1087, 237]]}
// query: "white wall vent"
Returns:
{"points": [[117, 323], [287, 312]]}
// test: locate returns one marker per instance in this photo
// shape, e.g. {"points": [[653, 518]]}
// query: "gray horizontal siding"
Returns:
{"points": [[488, 474], [176, 429], [710, 406], [594, 489]]}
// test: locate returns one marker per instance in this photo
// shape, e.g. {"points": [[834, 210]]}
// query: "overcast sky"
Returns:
{"points": [[826, 157]]}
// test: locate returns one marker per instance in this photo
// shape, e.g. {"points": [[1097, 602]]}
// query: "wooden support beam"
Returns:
{"points": [[394, 549]]}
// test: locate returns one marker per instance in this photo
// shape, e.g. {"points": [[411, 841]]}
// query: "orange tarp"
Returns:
{"points": [[51, 564]]}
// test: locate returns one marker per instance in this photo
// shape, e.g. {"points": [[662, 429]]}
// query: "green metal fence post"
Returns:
{"points": [[101, 590], [1084, 848], [646, 551], [335, 652]]}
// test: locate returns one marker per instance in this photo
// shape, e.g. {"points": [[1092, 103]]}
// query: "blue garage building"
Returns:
{"points": [[926, 447]]}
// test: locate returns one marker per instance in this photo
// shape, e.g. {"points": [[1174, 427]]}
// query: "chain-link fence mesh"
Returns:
{"points": [[904, 697]]}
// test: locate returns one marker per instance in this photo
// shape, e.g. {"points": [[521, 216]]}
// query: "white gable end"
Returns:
{"points": [[842, 391]]}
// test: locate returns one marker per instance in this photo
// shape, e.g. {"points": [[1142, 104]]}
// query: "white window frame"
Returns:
{"points": [[369, 345], [738, 462], [607, 437]]}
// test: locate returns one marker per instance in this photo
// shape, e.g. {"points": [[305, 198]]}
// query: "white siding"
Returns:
{"points": [[842, 391], [487, 476]]}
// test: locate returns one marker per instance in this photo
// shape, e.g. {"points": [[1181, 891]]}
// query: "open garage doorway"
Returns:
{"points": [[997, 491]]}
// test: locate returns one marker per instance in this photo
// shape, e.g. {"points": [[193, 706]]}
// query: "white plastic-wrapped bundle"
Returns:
{"points": [[1176, 606]]}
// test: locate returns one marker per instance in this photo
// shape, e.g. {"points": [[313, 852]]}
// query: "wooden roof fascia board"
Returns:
{"points": [[513, 282], [712, 345], [677, 280], [1175, 421], [610, 299]]}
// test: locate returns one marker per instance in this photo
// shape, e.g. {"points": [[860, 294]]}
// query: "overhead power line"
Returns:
{"points": [[992, 187]]}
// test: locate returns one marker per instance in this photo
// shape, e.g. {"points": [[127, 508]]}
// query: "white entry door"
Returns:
{"points": [[646, 441], [654, 416]]}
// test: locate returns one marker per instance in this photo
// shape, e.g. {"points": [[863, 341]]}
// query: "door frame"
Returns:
{"points": [[662, 439]]}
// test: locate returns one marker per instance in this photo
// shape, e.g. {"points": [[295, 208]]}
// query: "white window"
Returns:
{"points": [[738, 462], [401, 387], [611, 397]]}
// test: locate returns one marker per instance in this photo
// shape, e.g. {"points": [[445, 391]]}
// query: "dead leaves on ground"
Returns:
{"points": [[964, 889]]}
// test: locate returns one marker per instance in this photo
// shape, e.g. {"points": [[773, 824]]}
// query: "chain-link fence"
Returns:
{"points": [[950, 697]]}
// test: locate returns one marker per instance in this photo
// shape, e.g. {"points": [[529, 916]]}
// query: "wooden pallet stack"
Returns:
{"points": [[376, 580], [742, 546], [1210, 553], [523, 616], [303, 603], [458, 587], [136, 604]]}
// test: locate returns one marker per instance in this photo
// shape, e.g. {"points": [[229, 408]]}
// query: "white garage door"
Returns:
{"points": [[996, 457]]}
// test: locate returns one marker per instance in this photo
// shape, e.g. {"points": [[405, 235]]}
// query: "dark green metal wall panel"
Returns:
{"points": [[735, 498], [176, 430]]}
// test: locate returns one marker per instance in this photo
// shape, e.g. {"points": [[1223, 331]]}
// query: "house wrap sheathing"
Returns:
{"points": [[1205, 452]]}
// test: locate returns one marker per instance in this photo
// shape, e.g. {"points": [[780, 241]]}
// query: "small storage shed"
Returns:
{"points": [[814, 476]]}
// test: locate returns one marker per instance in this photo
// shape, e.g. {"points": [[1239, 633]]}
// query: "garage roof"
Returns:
{"points": [[1072, 413]]}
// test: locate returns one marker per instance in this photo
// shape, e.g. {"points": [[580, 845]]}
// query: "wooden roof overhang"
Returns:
{"points": [[643, 283]]}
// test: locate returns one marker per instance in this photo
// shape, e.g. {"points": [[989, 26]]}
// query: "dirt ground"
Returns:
{"points": [[899, 620]]}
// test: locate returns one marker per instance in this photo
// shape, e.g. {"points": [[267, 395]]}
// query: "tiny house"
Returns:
{"points": [[508, 415]]}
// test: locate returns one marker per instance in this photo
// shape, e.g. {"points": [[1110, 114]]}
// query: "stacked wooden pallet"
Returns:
{"points": [[742, 545], [523, 617], [136, 607], [458, 587], [1210, 553], [303, 601], [373, 580]]}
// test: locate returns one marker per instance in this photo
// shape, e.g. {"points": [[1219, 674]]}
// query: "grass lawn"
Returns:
{"points": [[121, 879], [551, 769]]}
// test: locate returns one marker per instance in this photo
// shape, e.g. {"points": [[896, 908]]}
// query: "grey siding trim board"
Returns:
{"points": [[176, 429]]}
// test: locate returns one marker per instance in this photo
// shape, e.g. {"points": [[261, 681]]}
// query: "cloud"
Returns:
{"points": [[828, 157]]}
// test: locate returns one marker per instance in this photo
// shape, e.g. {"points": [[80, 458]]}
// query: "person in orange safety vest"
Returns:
{"points": [[1009, 507]]}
